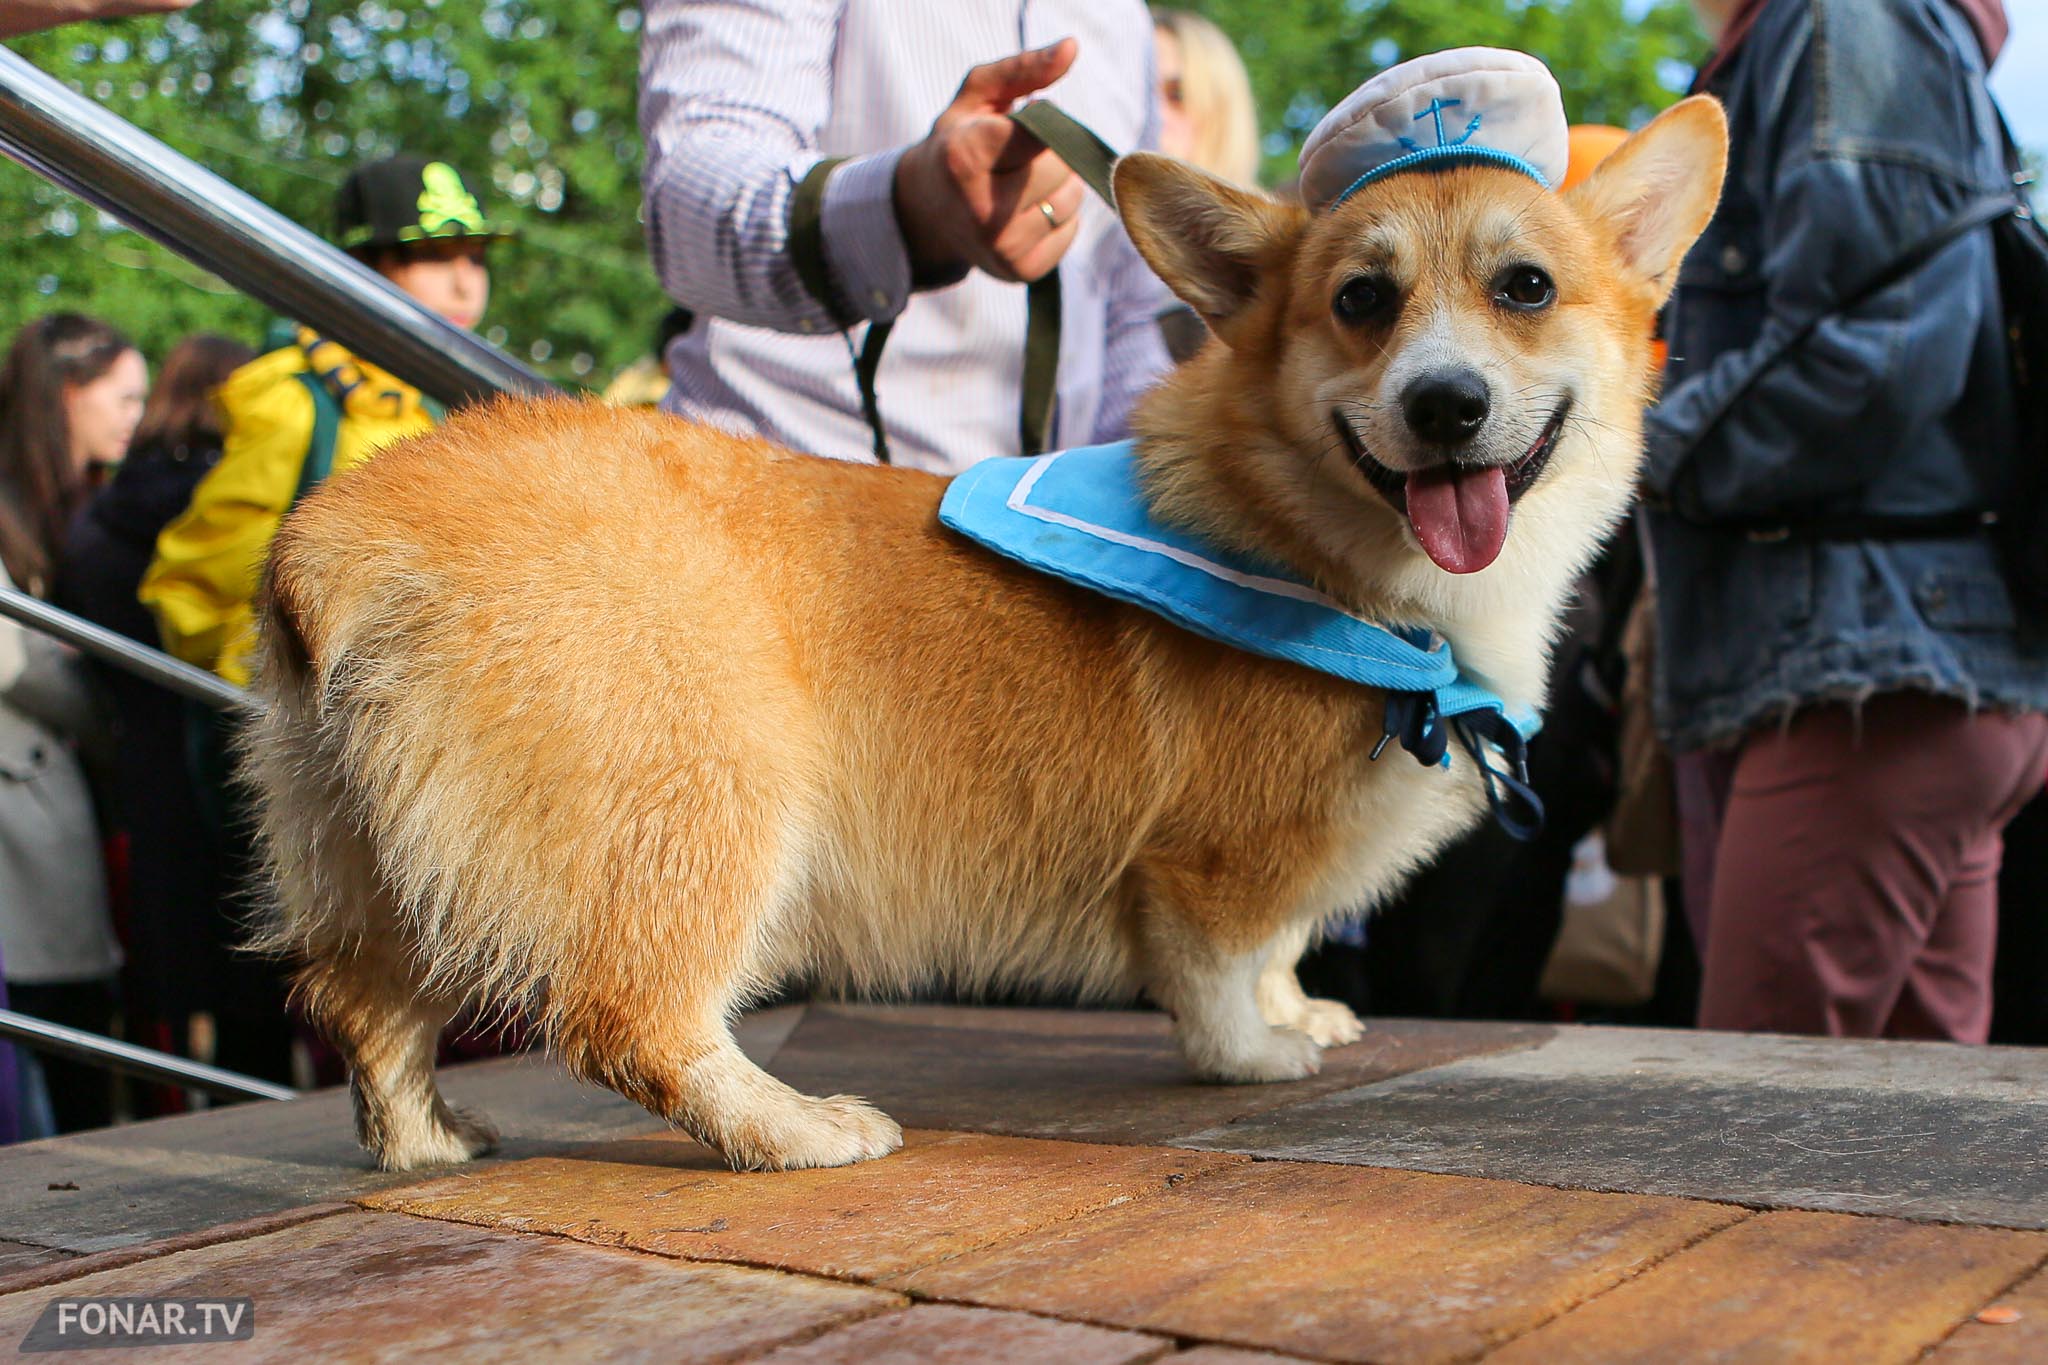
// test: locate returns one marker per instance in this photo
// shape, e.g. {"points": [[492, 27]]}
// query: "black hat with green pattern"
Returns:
{"points": [[405, 199]]}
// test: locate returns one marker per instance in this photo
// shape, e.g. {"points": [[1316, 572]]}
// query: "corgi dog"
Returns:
{"points": [[620, 720]]}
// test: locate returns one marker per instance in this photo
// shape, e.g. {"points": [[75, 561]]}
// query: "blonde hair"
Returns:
{"points": [[1217, 95]]}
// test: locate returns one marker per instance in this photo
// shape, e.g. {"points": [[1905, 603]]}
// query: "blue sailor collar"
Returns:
{"points": [[1079, 515]]}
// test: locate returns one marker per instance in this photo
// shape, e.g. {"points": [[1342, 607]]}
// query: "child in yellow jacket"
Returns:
{"points": [[311, 408]]}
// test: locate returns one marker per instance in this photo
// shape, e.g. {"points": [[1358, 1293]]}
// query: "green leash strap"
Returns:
{"points": [[1073, 142], [1089, 157], [864, 367], [807, 254], [1041, 363]]}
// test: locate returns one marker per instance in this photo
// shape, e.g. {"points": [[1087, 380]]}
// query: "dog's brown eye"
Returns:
{"points": [[1525, 286], [1358, 300]]}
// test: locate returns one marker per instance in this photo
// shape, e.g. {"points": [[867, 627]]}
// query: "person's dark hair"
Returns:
{"points": [[375, 254], [180, 409], [40, 487], [379, 255]]}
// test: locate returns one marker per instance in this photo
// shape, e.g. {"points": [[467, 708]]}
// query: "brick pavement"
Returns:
{"points": [[1068, 1198]]}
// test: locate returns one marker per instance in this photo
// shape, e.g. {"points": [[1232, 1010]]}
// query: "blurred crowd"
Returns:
{"points": [[1783, 770], [147, 508]]}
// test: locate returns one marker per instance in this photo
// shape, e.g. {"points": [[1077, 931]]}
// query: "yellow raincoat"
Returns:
{"points": [[210, 559]]}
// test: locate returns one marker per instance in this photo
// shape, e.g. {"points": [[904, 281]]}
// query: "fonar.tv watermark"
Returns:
{"points": [[82, 1324]]}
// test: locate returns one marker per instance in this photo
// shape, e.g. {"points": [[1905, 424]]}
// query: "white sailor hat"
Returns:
{"points": [[1469, 106]]}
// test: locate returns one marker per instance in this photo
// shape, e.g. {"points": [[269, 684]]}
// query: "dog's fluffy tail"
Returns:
{"points": [[284, 627], [346, 761], [285, 766]]}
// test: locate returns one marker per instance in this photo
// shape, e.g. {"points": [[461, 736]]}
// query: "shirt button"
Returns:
{"points": [[1732, 258], [879, 298], [806, 325]]}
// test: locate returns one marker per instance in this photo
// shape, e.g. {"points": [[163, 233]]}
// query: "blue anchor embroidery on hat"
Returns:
{"points": [[1436, 112], [1460, 150]]}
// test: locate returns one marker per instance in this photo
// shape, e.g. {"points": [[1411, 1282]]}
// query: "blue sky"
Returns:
{"points": [[2020, 80]]}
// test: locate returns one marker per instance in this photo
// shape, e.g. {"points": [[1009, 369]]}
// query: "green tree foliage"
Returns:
{"points": [[534, 101]]}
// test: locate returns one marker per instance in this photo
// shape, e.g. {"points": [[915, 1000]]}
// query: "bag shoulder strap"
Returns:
{"points": [[1966, 220], [1973, 215], [1977, 213], [319, 461]]}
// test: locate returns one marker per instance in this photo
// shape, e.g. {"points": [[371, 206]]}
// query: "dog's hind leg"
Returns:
{"points": [[1282, 1001], [388, 1029], [356, 976], [653, 1024], [1211, 990], [684, 1066]]}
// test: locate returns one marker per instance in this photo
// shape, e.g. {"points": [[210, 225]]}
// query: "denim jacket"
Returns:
{"points": [[1857, 127]]}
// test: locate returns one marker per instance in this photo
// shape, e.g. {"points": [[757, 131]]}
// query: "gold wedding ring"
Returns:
{"points": [[1052, 220]]}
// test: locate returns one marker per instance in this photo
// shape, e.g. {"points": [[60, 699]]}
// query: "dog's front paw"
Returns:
{"points": [[447, 1137], [1284, 1054], [836, 1131], [1330, 1022]]}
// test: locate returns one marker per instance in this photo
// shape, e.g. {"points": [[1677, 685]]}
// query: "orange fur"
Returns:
{"points": [[621, 719]]}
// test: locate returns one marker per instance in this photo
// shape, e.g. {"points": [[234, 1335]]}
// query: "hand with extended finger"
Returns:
{"points": [[980, 191], [19, 17]]}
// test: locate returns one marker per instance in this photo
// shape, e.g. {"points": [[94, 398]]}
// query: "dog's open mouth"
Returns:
{"points": [[1458, 512]]}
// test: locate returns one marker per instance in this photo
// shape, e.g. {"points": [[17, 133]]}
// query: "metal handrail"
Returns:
{"points": [[115, 166], [44, 1036], [152, 665]]}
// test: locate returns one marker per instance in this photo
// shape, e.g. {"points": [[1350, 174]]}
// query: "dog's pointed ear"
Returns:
{"points": [[1209, 240], [1657, 192]]}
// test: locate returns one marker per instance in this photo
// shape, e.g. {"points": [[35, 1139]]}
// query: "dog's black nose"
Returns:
{"points": [[1446, 407]]}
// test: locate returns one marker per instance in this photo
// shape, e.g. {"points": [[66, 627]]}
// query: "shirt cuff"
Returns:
{"points": [[864, 247]]}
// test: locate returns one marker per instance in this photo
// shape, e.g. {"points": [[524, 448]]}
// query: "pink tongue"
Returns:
{"points": [[1459, 515]]}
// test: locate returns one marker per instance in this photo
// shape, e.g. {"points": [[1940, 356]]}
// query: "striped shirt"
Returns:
{"points": [[740, 98]]}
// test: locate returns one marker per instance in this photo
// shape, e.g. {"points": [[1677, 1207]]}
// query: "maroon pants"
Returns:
{"points": [[1851, 885]]}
